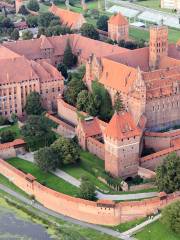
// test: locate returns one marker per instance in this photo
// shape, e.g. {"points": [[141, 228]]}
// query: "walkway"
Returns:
{"points": [[68, 178], [45, 210]]}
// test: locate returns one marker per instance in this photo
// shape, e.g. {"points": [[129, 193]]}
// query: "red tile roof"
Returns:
{"points": [[14, 143], [91, 127], [118, 20], [67, 17], [122, 126]]}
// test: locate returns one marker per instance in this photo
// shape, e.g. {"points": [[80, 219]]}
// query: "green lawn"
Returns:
{"points": [[47, 179], [128, 225], [156, 231], [14, 128], [155, 4], [7, 183]]}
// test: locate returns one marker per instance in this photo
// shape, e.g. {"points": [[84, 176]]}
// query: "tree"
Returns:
{"points": [[2, 120], [46, 159], [69, 59], [23, 10], [45, 19], [26, 35], [118, 103], [88, 30], [83, 100], [33, 5], [15, 34], [87, 189], [7, 23], [33, 104], [63, 69], [32, 21], [102, 23], [168, 174], [37, 132], [74, 87], [171, 217], [99, 92], [7, 136], [66, 150]]}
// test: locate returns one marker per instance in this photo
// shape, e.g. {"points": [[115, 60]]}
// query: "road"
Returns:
{"points": [[45, 210], [115, 197]]}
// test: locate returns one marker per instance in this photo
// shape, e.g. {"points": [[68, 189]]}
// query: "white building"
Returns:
{"points": [[171, 4]]}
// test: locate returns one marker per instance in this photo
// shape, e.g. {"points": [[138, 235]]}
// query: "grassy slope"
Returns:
{"points": [[156, 231], [48, 179]]}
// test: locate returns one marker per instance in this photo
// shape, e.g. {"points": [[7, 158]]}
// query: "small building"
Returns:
{"points": [[68, 18], [118, 27], [11, 149]]}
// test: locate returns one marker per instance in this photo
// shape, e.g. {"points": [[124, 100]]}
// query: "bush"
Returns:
{"points": [[7, 136], [2, 120], [87, 189], [33, 5], [171, 217]]}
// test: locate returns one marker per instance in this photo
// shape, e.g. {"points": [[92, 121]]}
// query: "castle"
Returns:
{"points": [[147, 79]]}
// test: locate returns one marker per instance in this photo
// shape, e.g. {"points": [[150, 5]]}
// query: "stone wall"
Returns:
{"points": [[154, 160], [104, 212], [8, 153], [96, 147]]}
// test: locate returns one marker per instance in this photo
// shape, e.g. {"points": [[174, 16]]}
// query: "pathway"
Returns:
{"points": [[43, 209], [116, 197]]}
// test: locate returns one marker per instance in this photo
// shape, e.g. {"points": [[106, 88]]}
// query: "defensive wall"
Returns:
{"points": [[160, 140], [104, 212], [154, 160], [96, 147]]}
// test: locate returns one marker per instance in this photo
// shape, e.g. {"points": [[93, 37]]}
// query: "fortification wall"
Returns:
{"points": [[101, 212], [159, 141], [67, 112], [154, 160], [96, 147]]}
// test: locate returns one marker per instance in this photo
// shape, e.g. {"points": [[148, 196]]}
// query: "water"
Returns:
{"points": [[13, 228]]}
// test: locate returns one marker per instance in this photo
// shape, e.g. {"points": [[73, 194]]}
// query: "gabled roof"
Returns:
{"points": [[122, 126], [118, 20], [91, 127], [67, 17], [45, 43]]}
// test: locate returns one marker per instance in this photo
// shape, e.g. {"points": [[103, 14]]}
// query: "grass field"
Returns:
{"points": [[155, 4], [156, 231], [47, 179], [14, 128]]}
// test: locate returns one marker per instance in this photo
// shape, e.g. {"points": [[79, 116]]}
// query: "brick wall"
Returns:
{"points": [[96, 147], [102, 212]]}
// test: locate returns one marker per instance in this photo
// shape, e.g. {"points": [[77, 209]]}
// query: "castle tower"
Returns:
{"points": [[122, 141], [18, 4], [118, 28], [158, 45]]}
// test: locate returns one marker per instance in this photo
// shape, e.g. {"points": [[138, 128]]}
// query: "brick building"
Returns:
{"points": [[118, 28]]}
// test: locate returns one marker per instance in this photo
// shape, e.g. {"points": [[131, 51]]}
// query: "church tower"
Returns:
{"points": [[158, 45]]}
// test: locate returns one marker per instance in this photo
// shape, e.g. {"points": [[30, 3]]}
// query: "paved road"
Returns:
{"points": [[116, 197], [65, 218]]}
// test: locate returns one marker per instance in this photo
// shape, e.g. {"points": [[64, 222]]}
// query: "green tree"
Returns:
{"points": [[94, 105], [7, 23], [33, 5], [74, 87], [7, 136], [46, 159], [37, 132], [88, 30], [2, 120], [33, 104], [32, 21], [63, 69], [66, 150], [102, 23], [105, 105], [15, 34], [87, 189], [168, 174], [83, 100], [23, 10], [45, 19], [69, 59], [171, 217], [118, 103], [26, 35]]}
